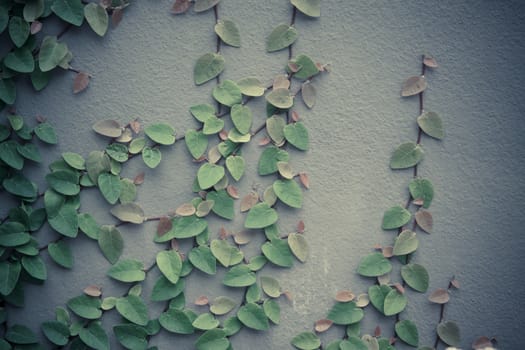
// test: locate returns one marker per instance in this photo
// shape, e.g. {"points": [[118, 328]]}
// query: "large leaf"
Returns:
{"points": [[133, 309], [241, 118], [131, 336], [7, 91], [251, 86], [203, 5], [176, 321], [405, 243], [227, 93], [19, 334], [235, 165], [65, 221], [85, 307], [61, 254], [109, 186], [253, 316], [374, 265], [127, 271], [9, 154], [413, 86], [9, 274], [129, 212], [97, 18], [227, 254], [395, 217], [310, 8], [57, 332], [151, 156], [239, 276], [196, 142], [202, 258], [269, 158], [449, 333], [345, 313], [161, 133], [223, 204], [170, 264], [297, 135], [19, 185], [407, 331], [208, 67], [261, 216], [20, 60], [209, 174], [394, 303], [18, 30], [228, 31], [110, 242], [431, 124], [281, 37], [64, 182], [289, 192], [94, 336], [416, 276], [71, 11], [205, 322], [51, 53], [281, 98], [214, 339], [222, 305], [406, 155], [298, 246], [278, 252], [377, 295], [165, 290]]}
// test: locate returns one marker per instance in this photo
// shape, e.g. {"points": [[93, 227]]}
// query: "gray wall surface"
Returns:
{"points": [[144, 68]]}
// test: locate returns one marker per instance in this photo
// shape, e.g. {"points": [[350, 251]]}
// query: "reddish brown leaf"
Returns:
{"points": [[116, 17], [164, 225], [264, 141], [392, 340], [135, 126], [40, 118], [93, 291], [388, 252], [248, 201], [295, 116], [378, 246], [424, 220], [203, 194], [377, 332], [481, 343], [105, 3], [139, 179], [344, 296], [232, 191], [36, 26], [319, 66], [202, 300], [200, 159], [430, 61], [186, 209], [399, 288], [293, 67], [455, 283], [418, 201], [174, 244], [223, 233], [223, 135], [300, 226], [304, 180], [288, 295], [323, 325], [439, 296], [81, 82], [362, 300], [180, 6]]}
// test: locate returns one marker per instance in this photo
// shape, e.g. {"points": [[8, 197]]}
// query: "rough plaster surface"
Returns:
{"points": [[144, 67]]}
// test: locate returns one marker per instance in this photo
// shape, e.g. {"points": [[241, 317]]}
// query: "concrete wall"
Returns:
{"points": [[144, 68]]}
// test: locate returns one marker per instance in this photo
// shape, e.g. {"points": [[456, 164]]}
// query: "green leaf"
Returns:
{"points": [[16, 121], [422, 189], [406, 155], [394, 303], [19, 334], [133, 309], [9, 274], [35, 267], [377, 295], [53, 202], [227, 254], [94, 336], [109, 186], [235, 165], [395, 217], [281, 37], [127, 271], [251, 86], [29, 151], [85, 307], [71, 11], [209, 174], [310, 8], [170, 264], [20, 60], [212, 126], [96, 164], [241, 118], [252, 316], [431, 124], [39, 79], [353, 343], [222, 305], [19, 185], [118, 152], [214, 339], [278, 252], [207, 67], [65, 221], [298, 246], [416, 276], [56, 332], [203, 5], [64, 182], [131, 336], [196, 142], [260, 216], [110, 242], [33, 10], [128, 191], [374, 265], [223, 205], [88, 225], [275, 128], [51, 53], [297, 135], [407, 331], [449, 333], [205, 322], [129, 212], [9, 154], [405, 243], [202, 258], [227, 93], [345, 313], [226, 148], [253, 294], [97, 18], [307, 67], [228, 32], [271, 286], [183, 227], [176, 321], [272, 310], [289, 192], [165, 290], [306, 341], [137, 145], [280, 98], [239, 276], [232, 326], [161, 133], [61, 254], [18, 31], [7, 91], [151, 157]]}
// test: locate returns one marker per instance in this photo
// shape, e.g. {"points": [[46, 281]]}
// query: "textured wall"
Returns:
{"points": [[144, 67]]}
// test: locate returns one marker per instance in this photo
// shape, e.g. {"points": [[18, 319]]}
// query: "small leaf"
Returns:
{"points": [[227, 254], [310, 8], [271, 286], [131, 336], [280, 98], [394, 303], [406, 155], [129, 212], [196, 142], [307, 340], [228, 32], [449, 333], [235, 165], [281, 37], [297, 135], [109, 128], [94, 336], [374, 265], [18, 30], [227, 93], [278, 252], [405, 243], [209, 175], [414, 86], [186, 209], [322, 325], [208, 67], [308, 94], [109, 186], [81, 82], [439, 296], [93, 291], [248, 201], [269, 158], [395, 217], [407, 331], [46, 133], [202, 258], [424, 220], [362, 300], [275, 128], [51, 53], [57, 332], [9, 274], [97, 18], [298, 246], [431, 124], [307, 68], [214, 339], [176, 321], [430, 61], [303, 177]]}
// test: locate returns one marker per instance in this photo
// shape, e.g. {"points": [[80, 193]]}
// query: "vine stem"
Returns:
{"points": [[292, 22]]}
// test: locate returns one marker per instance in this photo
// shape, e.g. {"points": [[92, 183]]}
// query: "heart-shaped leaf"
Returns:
{"points": [[281, 37], [207, 67], [260, 216], [406, 155], [406, 243]]}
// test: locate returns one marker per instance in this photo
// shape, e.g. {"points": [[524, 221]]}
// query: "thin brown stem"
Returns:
{"points": [[292, 22]]}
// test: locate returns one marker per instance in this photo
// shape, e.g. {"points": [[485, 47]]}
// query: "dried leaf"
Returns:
{"points": [[243, 237], [223, 234], [344, 296], [248, 201], [439, 296], [293, 67], [377, 332], [430, 61], [204, 208], [139, 179], [36, 26], [233, 191], [481, 343], [116, 17], [93, 291], [295, 116], [323, 325], [424, 220], [320, 66], [418, 201], [214, 155], [300, 226], [109, 128], [362, 300], [125, 137], [264, 141], [413, 86], [180, 6], [288, 295], [202, 300], [164, 225], [309, 94], [399, 288], [303, 177], [174, 244], [384, 279], [135, 126], [388, 252], [223, 135], [186, 209], [455, 283], [81, 82]]}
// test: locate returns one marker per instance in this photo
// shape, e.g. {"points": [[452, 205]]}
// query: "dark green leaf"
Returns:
{"points": [[71, 11], [183, 227], [449, 333], [214, 339], [95, 336], [19, 185], [133, 309], [61, 254], [46, 133], [64, 182], [110, 242], [307, 67], [407, 331], [85, 307], [202, 258], [394, 303], [176, 321], [377, 295], [395, 217], [9, 274], [88, 225], [35, 267], [19, 334], [9, 154], [165, 290], [20, 60], [33, 10], [131, 336], [253, 316], [18, 31], [29, 151], [56, 332], [65, 221], [51, 53]]}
